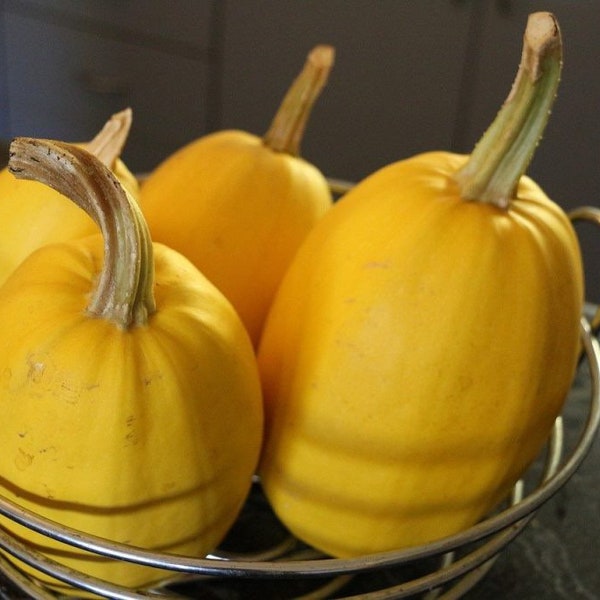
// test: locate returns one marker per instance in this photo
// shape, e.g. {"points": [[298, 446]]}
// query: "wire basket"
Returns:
{"points": [[260, 555]]}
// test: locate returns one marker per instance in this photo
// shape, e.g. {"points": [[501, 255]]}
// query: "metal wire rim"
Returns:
{"points": [[497, 531]]}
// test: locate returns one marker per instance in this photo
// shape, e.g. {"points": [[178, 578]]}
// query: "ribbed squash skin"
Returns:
{"points": [[415, 358], [33, 215], [148, 436], [238, 210]]}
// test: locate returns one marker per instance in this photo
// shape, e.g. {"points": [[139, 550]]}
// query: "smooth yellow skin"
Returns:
{"points": [[415, 358], [148, 436], [238, 210], [33, 215]]}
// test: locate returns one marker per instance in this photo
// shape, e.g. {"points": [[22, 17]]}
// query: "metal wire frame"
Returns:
{"points": [[490, 536]]}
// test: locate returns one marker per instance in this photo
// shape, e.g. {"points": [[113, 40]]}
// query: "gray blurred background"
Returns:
{"points": [[410, 76]]}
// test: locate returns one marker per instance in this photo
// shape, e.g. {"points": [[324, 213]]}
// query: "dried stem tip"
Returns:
{"points": [[503, 154], [287, 128]]}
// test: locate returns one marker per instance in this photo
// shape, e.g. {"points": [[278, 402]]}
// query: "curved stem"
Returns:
{"points": [[504, 152], [287, 128], [108, 144], [124, 291]]}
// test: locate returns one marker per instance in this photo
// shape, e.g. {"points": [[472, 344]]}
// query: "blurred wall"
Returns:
{"points": [[410, 76]]}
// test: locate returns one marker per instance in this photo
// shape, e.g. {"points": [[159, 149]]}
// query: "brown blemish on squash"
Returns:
{"points": [[23, 460]]}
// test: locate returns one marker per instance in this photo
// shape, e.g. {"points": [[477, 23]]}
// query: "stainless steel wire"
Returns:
{"points": [[462, 559], [492, 535]]}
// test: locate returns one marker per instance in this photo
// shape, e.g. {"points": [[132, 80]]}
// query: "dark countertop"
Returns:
{"points": [[554, 558]]}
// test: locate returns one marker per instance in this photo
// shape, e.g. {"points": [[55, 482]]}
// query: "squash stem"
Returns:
{"points": [[506, 149], [287, 128], [108, 144], [124, 290]]}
